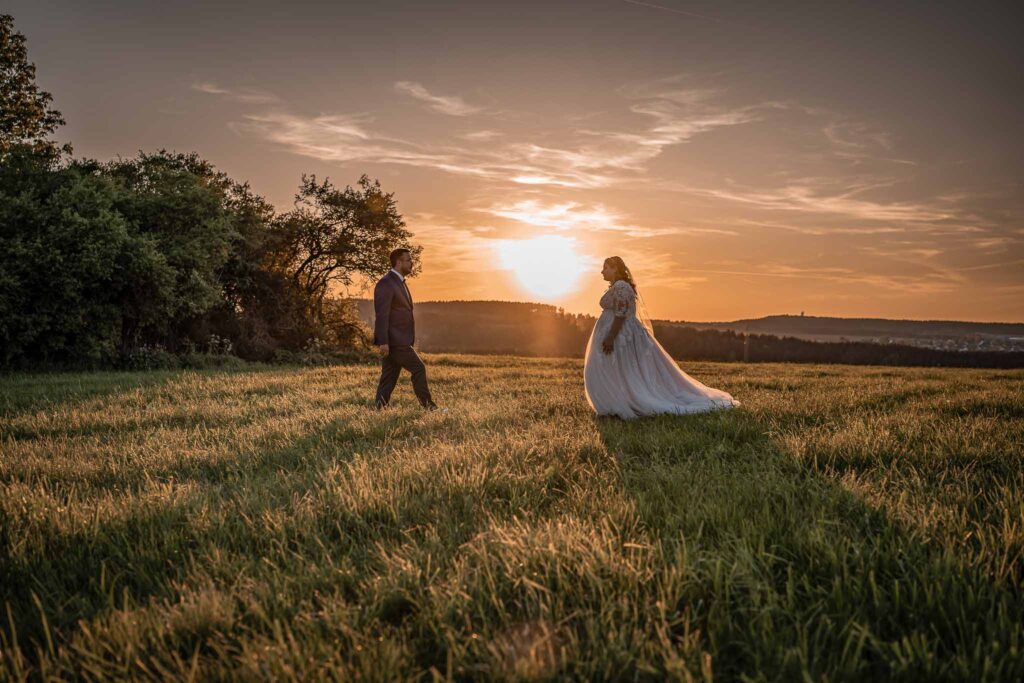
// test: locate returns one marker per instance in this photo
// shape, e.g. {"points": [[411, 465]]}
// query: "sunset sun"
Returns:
{"points": [[548, 266]]}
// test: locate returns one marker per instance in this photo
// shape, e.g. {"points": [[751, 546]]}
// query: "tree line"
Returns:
{"points": [[543, 330], [689, 343], [103, 264]]}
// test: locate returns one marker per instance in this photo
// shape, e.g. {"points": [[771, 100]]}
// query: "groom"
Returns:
{"points": [[395, 331]]}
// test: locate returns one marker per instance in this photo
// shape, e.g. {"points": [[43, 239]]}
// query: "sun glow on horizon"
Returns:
{"points": [[548, 266]]}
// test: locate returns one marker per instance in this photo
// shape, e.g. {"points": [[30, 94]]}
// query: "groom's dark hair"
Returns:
{"points": [[397, 254]]}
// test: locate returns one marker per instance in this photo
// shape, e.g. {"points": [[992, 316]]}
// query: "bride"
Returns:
{"points": [[627, 372]]}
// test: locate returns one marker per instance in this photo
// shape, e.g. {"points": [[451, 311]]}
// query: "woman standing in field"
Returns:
{"points": [[627, 373]]}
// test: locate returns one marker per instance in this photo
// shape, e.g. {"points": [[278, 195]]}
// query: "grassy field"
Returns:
{"points": [[847, 524]]}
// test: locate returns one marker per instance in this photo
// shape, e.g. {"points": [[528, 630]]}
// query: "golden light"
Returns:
{"points": [[547, 266]]}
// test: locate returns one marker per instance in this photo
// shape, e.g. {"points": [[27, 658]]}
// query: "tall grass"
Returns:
{"points": [[846, 524]]}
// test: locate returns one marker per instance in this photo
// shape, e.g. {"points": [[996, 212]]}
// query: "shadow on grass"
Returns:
{"points": [[24, 393], [149, 553], [792, 576]]}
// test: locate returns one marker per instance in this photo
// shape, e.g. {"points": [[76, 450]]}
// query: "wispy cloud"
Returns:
{"points": [[588, 159], [678, 122], [247, 95], [858, 142], [679, 114], [883, 284], [445, 104], [601, 158], [570, 216], [993, 243], [481, 135], [686, 13], [818, 230], [816, 198], [345, 138]]}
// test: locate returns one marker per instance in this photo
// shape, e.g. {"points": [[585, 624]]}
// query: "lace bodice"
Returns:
{"points": [[620, 299]]}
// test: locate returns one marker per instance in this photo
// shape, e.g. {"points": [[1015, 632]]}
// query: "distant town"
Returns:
{"points": [[941, 335], [543, 330]]}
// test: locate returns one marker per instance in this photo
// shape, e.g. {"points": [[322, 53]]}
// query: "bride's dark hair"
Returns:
{"points": [[621, 271]]}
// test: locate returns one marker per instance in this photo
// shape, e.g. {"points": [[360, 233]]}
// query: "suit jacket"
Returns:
{"points": [[392, 306]]}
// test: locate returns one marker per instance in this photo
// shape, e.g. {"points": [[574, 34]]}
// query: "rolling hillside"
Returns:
{"points": [[544, 330], [845, 524]]}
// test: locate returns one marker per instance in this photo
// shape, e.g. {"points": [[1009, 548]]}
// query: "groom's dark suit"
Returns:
{"points": [[396, 327]]}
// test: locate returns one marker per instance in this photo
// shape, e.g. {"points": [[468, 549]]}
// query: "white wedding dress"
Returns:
{"points": [[639, 377]]}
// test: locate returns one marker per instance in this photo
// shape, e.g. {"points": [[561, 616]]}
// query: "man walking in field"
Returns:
{"points": [[394, 333]]}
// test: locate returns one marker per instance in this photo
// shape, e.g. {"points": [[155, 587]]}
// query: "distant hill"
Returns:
{"points": [[809, 324], [940, 334], [531, 329], [526, 329]]}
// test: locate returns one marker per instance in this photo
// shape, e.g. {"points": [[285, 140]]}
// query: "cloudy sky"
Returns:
{"points": [[746, 159]]}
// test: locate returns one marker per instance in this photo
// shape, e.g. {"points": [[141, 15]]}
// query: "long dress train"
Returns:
{"points": [[638, 377]]}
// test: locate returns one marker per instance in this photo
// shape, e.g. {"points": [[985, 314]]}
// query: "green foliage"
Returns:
{"points": [[26, 117], [98, 261], [69, 261], [333, 235], [846, 524], [149, 358], [183, 206], [137, 261]]}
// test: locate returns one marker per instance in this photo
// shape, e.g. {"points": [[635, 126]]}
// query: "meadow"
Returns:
{"points": [[846, 524]]}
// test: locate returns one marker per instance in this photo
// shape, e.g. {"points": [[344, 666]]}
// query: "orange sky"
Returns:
{"points": [[745, 161]]}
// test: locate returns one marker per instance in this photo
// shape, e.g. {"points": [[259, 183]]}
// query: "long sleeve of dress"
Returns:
{"points": [[637, 376], [623, 299]]}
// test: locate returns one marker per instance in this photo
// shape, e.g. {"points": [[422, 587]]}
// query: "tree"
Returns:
{"points": [[333, 236], [25, 113], [186, 209], [69, 262]]}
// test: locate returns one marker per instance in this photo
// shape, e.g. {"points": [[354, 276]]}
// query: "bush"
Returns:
{"points": [[127, 262], [199, 361], [318, 358], [285, 357], [149, 358]]}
